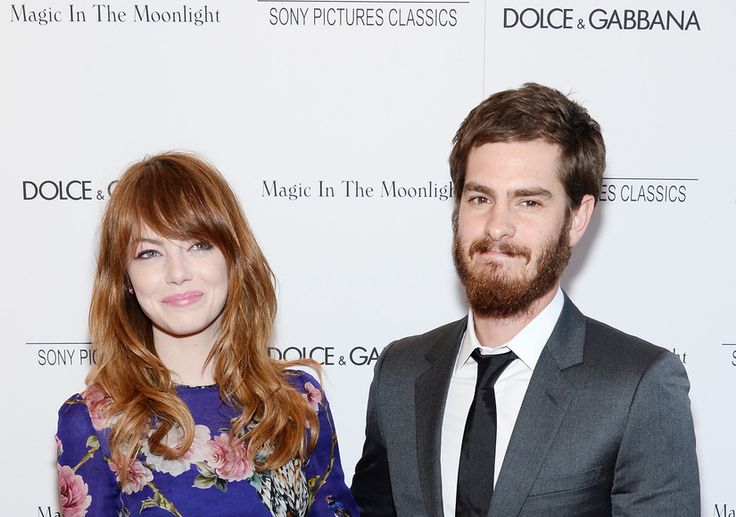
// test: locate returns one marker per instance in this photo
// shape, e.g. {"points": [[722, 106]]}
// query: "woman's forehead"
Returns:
{"points": [[161, 230]]}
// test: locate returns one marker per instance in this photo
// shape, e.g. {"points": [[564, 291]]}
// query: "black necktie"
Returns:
{"points": [[478, 453]]}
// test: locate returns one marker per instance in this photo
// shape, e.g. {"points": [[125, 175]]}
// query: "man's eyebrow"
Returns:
{"points": [[477, 187], [532, 192], [522, 192]]}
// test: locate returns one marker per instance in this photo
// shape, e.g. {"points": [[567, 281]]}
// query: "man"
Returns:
{"points": [[582, 420]]}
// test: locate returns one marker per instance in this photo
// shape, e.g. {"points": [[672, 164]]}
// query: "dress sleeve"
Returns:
{"points": [[87, 486], [329, 495]]}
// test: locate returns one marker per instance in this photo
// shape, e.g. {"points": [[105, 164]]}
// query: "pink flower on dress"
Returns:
{"points": [[314, 396], [73, 491], [196, 453], [59, 446], [97, 405], [138, 477], [228, 459]]}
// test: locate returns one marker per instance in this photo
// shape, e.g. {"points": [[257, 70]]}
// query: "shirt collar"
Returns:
{"points": [[527, 344]]}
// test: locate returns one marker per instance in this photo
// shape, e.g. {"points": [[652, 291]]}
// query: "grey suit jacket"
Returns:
{"points": [[604, 429]]}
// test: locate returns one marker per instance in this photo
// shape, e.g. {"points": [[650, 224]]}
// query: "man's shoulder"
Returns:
{"points": [[611, 344], [581, 339], [426, 340], [436, 341], [448, 330]]}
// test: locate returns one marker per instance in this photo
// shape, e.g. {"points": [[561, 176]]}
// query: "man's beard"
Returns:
{"points": [[492, 293]]}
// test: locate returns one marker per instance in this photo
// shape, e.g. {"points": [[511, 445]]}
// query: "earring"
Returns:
{"points": [[130, 289]]}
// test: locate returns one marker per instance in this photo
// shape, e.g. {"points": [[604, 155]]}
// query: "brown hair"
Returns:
{"points": [[529, 113], [181, 196]]}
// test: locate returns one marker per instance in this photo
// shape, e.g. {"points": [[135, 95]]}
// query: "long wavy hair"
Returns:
{"points": [[180, 196]]}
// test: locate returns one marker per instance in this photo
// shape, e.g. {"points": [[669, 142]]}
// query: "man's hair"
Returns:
{"points": [[535, 112]]}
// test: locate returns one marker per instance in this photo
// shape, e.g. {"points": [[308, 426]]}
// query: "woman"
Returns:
{"points": [[185, 413]]}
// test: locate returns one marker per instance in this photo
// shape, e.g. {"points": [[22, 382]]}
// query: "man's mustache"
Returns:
{"points": [[486, 245]]}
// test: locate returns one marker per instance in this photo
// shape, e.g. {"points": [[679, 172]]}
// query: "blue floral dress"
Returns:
{"points": [[214, 478]]}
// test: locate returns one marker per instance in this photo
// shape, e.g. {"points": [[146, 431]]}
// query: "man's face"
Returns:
{"points": [[513, 237]]}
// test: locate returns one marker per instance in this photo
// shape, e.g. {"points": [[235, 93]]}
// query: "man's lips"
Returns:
{"points": [[183, 299], [496, 253], [498, 250]]}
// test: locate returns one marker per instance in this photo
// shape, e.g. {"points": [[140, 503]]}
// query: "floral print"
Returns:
{"points": [[197, 452], [97, 404], [139, 476], [214, 464], [314, 396], [73, 491], [284, 491], [228, 459]]}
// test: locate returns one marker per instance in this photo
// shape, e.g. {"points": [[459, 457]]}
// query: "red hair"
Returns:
{"points": [[181, 196]]}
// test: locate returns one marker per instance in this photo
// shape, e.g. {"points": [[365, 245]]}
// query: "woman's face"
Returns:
{"points": [[180, 285]]}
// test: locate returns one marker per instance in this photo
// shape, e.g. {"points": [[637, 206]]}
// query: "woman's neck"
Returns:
{"points": [[185, 357]]}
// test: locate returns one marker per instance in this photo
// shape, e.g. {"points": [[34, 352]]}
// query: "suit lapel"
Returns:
{"points": [[547, 398], [430, 395]]}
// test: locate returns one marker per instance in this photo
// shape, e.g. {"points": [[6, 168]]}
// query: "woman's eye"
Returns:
{"points": [[147, 254], [202, 246]]}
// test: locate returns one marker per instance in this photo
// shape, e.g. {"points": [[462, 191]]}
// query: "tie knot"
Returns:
{"points": [[490, 366]]}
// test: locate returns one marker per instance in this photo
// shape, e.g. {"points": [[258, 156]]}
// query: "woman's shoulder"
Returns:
{"points": [[302, 380], [74, 410], [306, 384], [88, 409], [74, 400]]}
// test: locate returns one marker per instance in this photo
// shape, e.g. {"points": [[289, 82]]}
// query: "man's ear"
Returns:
{"points": [[580, 219]]}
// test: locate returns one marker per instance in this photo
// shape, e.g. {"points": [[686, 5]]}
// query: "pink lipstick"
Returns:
{"points": [[184, 299]]}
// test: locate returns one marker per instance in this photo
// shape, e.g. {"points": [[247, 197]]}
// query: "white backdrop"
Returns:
{"points": [[338, 92]]}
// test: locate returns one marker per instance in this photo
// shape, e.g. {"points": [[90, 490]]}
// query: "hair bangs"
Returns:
{"points": [[179, 205]]}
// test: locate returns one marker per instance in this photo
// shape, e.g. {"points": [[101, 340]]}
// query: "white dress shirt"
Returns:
{"points": [[510, 389]]}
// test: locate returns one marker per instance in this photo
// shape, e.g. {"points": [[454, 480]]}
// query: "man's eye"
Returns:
{"points": [[530, 203], [478, 200]]}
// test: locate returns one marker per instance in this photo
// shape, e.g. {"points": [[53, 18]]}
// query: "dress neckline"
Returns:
{"points": [[203, 387]]}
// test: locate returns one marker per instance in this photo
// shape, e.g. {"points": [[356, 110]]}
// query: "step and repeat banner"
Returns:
{"points": [[333, 121]]}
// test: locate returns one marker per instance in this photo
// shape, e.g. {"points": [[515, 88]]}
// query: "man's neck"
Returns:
{"points": [[494, 332]]}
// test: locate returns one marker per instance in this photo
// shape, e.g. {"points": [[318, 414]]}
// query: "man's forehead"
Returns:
{"points": [[515, 165], [537, 150]]}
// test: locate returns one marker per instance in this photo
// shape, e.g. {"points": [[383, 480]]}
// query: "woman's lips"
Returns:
{"points": [[183, 299]]}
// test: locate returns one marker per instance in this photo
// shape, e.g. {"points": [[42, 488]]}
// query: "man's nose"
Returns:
{"points": [[500, 222]]}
